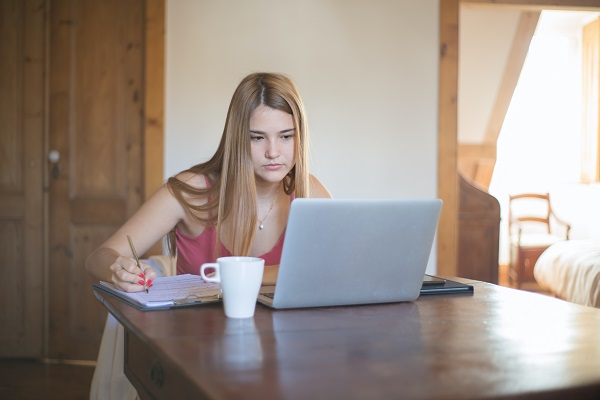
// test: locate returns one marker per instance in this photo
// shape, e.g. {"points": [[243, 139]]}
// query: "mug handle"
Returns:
{"points": [[217, 277]]}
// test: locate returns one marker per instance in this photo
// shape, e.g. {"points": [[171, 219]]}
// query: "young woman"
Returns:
{"points": [[237, 203]]}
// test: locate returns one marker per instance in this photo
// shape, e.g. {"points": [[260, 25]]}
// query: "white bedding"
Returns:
{"points": [[570, 269]]}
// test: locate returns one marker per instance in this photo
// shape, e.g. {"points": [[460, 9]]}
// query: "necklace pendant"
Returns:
{"points": [[261, 226]]}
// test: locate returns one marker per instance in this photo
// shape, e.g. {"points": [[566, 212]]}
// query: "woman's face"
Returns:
{"points": [[273, 139]]}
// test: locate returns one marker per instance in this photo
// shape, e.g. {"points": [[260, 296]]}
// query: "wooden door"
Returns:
{"points": [[96, 110], [83, 78], [21, 178]]}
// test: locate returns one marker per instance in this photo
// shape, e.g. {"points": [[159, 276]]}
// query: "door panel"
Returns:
{"points": [[21, 177], [96, 123], [72, 79]]}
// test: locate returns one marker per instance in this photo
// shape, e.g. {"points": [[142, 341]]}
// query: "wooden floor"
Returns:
{"points": [[23, 379], [529, 286]]}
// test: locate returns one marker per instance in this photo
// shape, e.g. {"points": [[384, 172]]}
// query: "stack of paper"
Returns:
{"points": [[168, 292]]}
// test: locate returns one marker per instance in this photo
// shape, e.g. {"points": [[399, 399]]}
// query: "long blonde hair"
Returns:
{"points": [[232, 189]]}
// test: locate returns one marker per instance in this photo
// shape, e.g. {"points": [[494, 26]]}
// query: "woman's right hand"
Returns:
{"points": [[128, 277]]}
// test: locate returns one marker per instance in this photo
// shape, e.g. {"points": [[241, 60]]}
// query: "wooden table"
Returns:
{"points": [[497, 343]]}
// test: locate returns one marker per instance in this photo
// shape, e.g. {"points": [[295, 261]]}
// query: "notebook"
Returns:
{"points": [[344, 252], [166, 292]]}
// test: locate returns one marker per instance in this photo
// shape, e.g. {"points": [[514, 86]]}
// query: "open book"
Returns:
{"points": [[168, 292]]}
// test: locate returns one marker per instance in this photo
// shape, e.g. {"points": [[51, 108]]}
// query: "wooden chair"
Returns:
{"points": [[532, 228]]}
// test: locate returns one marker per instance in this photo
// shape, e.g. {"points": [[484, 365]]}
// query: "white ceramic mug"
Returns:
{"points": [[240, 279]]}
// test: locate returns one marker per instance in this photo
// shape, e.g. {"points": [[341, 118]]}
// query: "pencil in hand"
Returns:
{"points": [[137, 261]]}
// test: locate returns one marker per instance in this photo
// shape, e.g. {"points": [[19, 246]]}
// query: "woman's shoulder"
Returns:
{"points": [[190, 187], [195, 180], [191, 190], [317, 189]]}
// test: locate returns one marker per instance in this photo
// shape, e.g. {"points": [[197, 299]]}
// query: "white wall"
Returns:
{"points": [[367, 71], [485, 40]]}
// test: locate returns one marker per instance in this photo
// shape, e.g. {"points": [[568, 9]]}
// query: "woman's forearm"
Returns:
{"points": [[99, 261], [270, 275]]}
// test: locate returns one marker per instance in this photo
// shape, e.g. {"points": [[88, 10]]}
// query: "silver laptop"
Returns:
{"points": [[342, 252]]}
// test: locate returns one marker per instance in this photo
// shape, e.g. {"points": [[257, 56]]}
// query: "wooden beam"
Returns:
{"points": [[575, 5], [590, 169], [154, 100], [447, 138], [154, 94]]}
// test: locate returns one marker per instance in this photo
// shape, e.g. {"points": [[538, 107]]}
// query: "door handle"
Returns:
{"points": [[54, 158]]}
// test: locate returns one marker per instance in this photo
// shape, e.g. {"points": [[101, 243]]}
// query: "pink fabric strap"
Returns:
{"points": [[192, 252]]}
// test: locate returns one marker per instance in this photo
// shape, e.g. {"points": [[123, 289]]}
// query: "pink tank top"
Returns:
{"points": [[192, 252]]}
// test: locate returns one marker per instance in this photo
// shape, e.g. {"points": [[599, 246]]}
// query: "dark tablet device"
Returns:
{"points": [[436, 285], [433, 280]]}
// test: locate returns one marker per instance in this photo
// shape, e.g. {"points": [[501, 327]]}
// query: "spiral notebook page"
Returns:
{"points": [[170, 290]]}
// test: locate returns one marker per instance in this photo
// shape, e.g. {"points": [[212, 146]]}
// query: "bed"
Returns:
{"points": [[570, 270]]}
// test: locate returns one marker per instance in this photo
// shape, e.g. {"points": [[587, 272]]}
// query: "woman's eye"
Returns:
{"points": [[287, 137], [256, 138]]}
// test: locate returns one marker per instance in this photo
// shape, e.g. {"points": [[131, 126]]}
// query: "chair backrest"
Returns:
{"points": [[529, 208], [533, 212]]}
